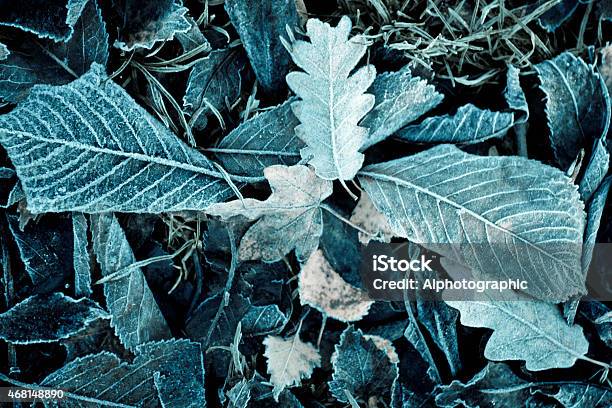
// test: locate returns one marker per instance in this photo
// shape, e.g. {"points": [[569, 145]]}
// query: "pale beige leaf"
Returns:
{"points": [[324, 289], [385, 345], [366, 216], [289, 360], [289, 219]]}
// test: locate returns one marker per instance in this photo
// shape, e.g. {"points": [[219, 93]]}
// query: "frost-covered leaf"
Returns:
{"points": [[265, 140], [261, 320], [400, 99], [135, 315], [575, 395], [577, 105], [260, 24], [214, 324], [469, 124], [528, 330], [324, 289], [193, 38], [366, 216], [213, 82], [514, 94], [558, 14], [87, 146], [10, 188], [54, 19], [145, 25], [498, 204], [289, 219], [332, 100], [289, 361], [45, 250], [82, 267], [596, 170], [594, 214], [4, 52], [510, 390], [48, 318], [361, 369], [240, 394], [104, 380], [49, 62]]}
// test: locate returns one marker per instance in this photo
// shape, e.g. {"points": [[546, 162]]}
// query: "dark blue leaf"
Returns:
{"points": [[594, 213], [596, 170], [169, 371], [48, 318], [558, 14], [82, 267], [47, 62], [361, 369], [53, 19], [260, 24]]}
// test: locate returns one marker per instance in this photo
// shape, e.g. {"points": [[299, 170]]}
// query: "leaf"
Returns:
{"points": [[366, 216], [332, 102], [289, 360], [44, 251], [498, 205], [514, 95], [213, 82], [289, 219], [469, 124], [260, 23], [164, 22], [594, 214], [583, 395], [533, 331], [47, 318], [240, 394], [577, 105], [262, 141], [55, 63], [4, 52], [193, 38], [324, 289], [54, 19], [558, 14], [261, 320], [10, 189], [82, 268], [361, 369], [104, 380], [135, 316], [596, 170], [87, 146], [510, 391], [400, 99]]}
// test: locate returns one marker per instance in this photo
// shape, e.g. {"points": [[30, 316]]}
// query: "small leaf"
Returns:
{"points": [[400, 99], [193, 38], [594, 214], [596, 170], [48, 318], [53, 19], [262, 320], [366, 216], [260, 24], [135, 316], [577, 105], [82, 267], [498, 204], [240, 394], [510, 391], [558, 14], [262, 141], [87, 146], [55, 63], [289, 219], [163, 24], [213, 82], [361, 369], [514, 95], [45, 250], [322, 288], [332, 101], [172, 367], [289, 360], [583, 395], [468, 125], [533, 331]]}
